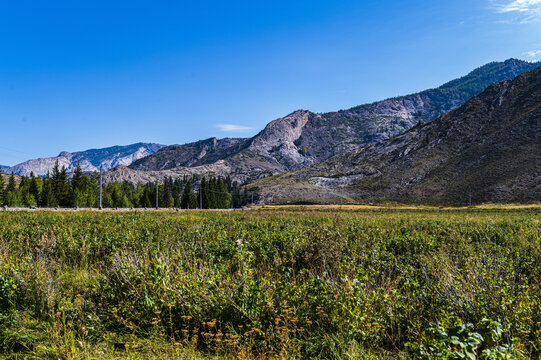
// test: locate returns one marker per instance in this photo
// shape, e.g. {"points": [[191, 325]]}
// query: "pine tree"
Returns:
{"points": [[42, 201], [146, 200], [77, 178], [64, 188], [187, 194], [204, 194], [33, 187], [47, 198], [61, 187], [176, 193], [212, 193], [12, 186], [76, 187], [166, 199], [2, 186], [224, 195], [129, 193], [55, 176], [93, 191], [10, 194], [138, 195], [236, 197]]}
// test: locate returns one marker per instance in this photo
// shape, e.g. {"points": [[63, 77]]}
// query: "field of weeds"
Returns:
{"points": [[271, 283]]}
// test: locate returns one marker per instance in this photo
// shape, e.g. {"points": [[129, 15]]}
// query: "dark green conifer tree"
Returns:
{"points": [[47, 197], [60, 185], [76, 194], [77, 178], [94, 190], [166, 198], [204, 194], [12, 185], [148, 198], [64, 189], [189, 197], [33, 187], [176, 193], [212, 192], [2, 188], [224, 197]]}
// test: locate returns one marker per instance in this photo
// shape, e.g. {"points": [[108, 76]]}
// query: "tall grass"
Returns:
{"points": [[266, 284]]}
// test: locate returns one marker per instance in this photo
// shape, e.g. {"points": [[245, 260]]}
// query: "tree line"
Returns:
{"points": [[56, 190]]}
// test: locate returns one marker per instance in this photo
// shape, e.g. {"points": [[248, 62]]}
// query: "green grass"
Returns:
{"points": [[298, 283]]}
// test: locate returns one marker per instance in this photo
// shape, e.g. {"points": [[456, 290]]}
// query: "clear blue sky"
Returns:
{"points": [[76, 75]]}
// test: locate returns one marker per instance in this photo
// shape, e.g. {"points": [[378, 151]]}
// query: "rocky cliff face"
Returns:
{"points": [[303, 138], [89, 160], [320, 136], [282, 139], [187, 155], [489, 149]]}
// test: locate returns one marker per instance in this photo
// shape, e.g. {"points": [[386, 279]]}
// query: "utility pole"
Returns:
{"points": [[470, 197], [156, 194], [101, 185], [252, 199]]}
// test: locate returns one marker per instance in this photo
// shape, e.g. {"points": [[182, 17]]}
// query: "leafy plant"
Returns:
{"points": [[271, 283], [454, 340]]}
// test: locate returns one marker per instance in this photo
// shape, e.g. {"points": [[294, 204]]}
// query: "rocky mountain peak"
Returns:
{"points": [[487, 149], [89, 160], [186, 155], [281, 131], [304, 138]]}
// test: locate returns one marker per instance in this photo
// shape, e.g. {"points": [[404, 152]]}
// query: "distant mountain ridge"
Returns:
{"points": [[89, 160], [299, 140], [304, 138], [489, 149], [187, 155]]}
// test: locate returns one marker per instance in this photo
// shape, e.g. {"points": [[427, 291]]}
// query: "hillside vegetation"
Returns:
{"points": [[487, 150], [304, 138], [271, 284]]}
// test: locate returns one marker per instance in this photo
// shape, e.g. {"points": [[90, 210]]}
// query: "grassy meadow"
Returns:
{"points": [[272, 283]]}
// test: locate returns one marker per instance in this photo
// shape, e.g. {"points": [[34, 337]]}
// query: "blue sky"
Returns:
{"points": [[76, 75]]}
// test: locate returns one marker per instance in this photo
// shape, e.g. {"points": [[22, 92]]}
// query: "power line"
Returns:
{"points": [[17, 151]]}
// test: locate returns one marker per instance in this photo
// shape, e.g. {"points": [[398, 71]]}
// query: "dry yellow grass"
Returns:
{"points": [[394, 206]]}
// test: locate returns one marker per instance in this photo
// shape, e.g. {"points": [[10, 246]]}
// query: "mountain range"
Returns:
{"points": [[89, 160], [489, 149], [304, 138], [300, 142]]}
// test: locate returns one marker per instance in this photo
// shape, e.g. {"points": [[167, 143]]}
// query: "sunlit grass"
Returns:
{"points": [[272, 283]]}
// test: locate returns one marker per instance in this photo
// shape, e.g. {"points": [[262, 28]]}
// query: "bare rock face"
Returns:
{"points": [[191, 154], [282, 139], [489, 149], [89, 160], [303, 138], [121, 173]]}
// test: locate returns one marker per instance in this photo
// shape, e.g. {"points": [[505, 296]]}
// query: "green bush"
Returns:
{"points": [[455, 340]]}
